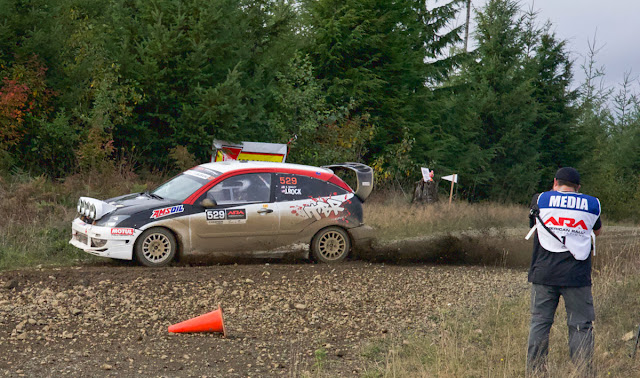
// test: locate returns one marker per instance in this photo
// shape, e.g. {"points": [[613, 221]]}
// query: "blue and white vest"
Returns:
{"points": [[571, 216]]}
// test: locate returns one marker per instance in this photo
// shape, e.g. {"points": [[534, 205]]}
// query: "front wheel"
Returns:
{"points": [[330, 245], [155, 247]]}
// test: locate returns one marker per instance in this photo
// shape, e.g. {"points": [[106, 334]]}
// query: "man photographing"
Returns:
{"points": [[564, 221]]}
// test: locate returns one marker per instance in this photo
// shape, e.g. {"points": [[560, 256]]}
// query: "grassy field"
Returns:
{"points": [[395, 217], [35, 226]]}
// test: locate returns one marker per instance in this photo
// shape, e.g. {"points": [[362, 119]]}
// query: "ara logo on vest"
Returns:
{"points": [[566, 222]]}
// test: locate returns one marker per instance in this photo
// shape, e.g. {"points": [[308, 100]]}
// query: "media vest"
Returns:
{"points": [[571, 216]]}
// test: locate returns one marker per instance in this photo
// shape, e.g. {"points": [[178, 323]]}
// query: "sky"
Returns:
{"points": [[614, 23]]}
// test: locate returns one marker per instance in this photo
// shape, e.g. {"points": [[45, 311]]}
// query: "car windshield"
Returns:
{"points": [[182, 186]]}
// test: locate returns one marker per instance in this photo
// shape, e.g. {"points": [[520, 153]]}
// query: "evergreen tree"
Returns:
{"points": [[383, 56]]}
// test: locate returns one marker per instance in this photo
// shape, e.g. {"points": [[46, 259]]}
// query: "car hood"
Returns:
{"points": [[130, 204]]}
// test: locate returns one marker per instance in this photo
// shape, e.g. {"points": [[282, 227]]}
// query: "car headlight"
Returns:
{"points": [[79, 206], [98, 242], [92, 211]]}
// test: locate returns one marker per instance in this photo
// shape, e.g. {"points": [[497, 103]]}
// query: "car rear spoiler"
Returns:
{"points": [[364, 175]]}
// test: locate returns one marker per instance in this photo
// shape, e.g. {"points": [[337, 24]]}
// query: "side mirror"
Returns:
{"points": [[208, 203]]}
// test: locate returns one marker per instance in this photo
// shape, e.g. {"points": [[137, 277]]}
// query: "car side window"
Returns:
{"points": [[291, 187], [249, 188]]}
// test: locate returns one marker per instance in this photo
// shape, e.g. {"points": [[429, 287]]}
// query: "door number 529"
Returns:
{"points": [[215, 215]]}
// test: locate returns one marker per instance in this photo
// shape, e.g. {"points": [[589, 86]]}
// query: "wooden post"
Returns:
{"points": [[453, 180]]}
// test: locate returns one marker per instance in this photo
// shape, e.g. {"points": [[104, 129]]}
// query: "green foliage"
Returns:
{"points": [[85, 83], [506, 119], [182, 159], [378, 56]]}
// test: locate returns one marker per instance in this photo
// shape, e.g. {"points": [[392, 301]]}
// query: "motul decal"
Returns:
{"points": [[566, 222], [159, 213], [122, 231]]}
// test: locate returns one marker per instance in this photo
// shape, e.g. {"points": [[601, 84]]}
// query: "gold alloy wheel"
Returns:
{"points": [[156, 248], [332, 245]]}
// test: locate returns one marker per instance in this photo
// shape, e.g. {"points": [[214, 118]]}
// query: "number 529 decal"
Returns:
{"points": [[226, 216], [215, 215]]}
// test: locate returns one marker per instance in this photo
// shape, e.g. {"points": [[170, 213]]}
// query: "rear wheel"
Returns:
{"points": [[330, 245], [155, 247]]}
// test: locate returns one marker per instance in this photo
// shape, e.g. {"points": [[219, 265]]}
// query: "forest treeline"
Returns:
{"points": [[86, 83]]}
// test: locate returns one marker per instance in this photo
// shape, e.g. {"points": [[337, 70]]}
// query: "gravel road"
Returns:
{"points": [[112, 320]]}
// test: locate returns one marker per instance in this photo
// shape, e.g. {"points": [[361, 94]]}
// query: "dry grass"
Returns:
{"points": [[37, 213], [491, 341], [394, 217]]}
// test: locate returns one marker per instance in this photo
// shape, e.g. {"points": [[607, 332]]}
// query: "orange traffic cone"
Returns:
{"points": [[209, 322]]}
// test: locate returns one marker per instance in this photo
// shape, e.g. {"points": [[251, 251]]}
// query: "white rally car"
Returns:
{"points": [[227, 207]]}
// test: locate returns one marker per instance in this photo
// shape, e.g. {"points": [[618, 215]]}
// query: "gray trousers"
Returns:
{"points": [[580, 316]]}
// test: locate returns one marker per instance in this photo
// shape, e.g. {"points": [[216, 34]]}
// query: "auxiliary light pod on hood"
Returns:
{"points": [[94, 208]]}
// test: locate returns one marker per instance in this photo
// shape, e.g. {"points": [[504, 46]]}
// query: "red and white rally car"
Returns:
{"points": [[230, 206]]}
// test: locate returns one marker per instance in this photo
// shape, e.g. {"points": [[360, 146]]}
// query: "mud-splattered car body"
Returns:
{"points": [[227, 207]]}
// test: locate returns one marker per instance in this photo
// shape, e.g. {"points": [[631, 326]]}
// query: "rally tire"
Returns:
{"points": [[330, 245], [155, 247]]}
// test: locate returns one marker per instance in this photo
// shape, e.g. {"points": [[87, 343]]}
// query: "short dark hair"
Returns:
{"points": [[567, 183]]}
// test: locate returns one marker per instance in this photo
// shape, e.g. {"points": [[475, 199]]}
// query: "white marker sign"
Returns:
{"points": [[453, 177], [425, 174]]}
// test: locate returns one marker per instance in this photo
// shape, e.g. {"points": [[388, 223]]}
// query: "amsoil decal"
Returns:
{"points": [[226, 216], [122, 231], [565, 222], [159, 213]]}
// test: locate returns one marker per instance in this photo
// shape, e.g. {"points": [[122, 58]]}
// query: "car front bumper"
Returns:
{"points": [[113, 242]]}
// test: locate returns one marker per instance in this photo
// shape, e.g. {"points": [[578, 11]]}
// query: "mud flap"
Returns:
{"points": [[364, 175]]}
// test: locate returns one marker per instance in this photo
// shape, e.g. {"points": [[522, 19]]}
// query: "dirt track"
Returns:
{"points": [[112, 320]]}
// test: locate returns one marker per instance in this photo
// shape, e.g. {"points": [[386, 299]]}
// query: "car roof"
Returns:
{"points": [[234, 165]]}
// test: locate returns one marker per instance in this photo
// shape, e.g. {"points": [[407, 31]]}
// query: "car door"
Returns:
{"points": [[243, 218]]}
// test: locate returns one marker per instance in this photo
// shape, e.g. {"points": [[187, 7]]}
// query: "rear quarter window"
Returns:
{"points": [[289, 187]]}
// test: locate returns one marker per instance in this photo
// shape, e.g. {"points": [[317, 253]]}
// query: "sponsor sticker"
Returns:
{"points": [[236, 214], [159, 213], [122, 231], [201, 175], [291, 190], [229, 216]]}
